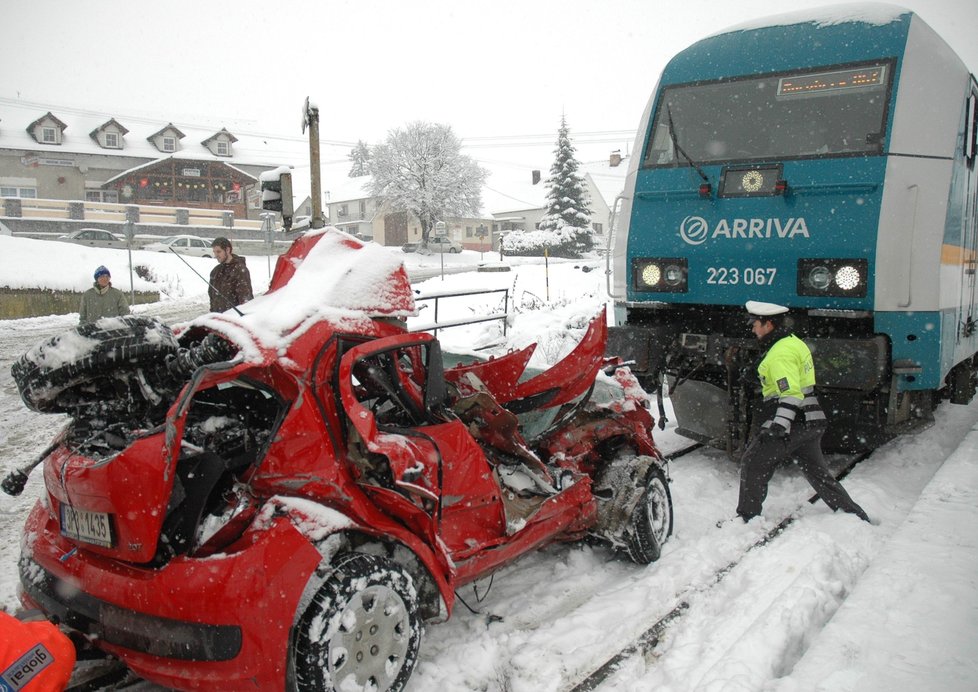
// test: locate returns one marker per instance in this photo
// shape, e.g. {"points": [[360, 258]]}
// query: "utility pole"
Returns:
{"points": [[310, 118], [130, 237]]}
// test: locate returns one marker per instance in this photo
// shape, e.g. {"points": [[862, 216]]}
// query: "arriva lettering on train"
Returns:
{"points": [[695, 229]]}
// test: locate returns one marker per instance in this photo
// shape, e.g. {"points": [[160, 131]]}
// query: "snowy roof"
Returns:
{"points": [[610, 180], [345, 188], [181, 156], [17, 119], [869, 13], [508, 187]]}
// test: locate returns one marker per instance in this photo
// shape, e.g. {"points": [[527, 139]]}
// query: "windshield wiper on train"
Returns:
{"points": [[675, 143]]}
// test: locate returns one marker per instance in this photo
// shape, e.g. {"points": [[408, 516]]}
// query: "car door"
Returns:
{"points": [[415, 457]]}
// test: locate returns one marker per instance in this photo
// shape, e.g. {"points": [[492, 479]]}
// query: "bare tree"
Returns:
{"points": [[420, 169]]}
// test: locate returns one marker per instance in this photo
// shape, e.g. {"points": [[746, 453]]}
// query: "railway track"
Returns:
{"points": [[644, 645]]}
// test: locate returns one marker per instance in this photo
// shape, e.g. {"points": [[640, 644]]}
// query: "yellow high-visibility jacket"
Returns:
{"points": [[787, 376]]}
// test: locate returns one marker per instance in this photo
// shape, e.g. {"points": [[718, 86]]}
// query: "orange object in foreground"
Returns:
{"points": [[34, 656]]}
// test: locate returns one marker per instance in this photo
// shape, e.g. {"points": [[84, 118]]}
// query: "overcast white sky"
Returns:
{"points": [[500, 72]]}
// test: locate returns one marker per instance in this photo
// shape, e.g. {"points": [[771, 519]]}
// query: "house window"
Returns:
{"points": [[468, 232], [223, 149], [343, 211], [112, 140], [598, 228], [111, 196], [23, 192], [169, 144], [49, 135], [363, 208]]}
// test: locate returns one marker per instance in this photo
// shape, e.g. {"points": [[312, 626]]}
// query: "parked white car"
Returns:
{"points": [[94, 237], [184, 245], [443, 244]]}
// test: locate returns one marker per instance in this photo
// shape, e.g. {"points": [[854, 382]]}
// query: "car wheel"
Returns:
{"points": [[453, 250], [362, 629], [74, 358], [650, 523]]}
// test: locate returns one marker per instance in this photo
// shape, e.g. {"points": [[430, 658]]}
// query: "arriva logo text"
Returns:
{"points": [[695, 229]]}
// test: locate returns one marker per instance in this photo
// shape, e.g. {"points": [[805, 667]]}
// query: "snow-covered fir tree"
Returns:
{"points": [[360, 158], [568, 202]]}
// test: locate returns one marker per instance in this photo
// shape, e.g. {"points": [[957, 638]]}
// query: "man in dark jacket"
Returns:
{"points": [[791, 420], [230, 279]]}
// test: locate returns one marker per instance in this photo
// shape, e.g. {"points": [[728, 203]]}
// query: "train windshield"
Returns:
{"points": [[814, 113]]}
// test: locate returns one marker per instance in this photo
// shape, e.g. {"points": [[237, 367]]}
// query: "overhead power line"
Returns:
{"points": [[478, 141]]}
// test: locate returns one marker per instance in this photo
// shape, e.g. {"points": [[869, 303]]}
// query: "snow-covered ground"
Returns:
{"points": [[831, 603]]}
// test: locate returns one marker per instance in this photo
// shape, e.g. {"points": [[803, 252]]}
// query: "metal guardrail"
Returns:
{"points": [[436, 297], [108, 212]]}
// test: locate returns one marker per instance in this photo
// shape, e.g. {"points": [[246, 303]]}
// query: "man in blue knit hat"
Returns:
{"points": [[102, 300]]}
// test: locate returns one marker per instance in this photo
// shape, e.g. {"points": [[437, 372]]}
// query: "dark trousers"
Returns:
{"points": [[764, 455]]}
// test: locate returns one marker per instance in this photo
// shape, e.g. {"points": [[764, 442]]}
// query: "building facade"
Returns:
{"points": [[99, 158]]}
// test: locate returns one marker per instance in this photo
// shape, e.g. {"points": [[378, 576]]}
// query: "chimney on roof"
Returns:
{"points": [[615, 158], [536, 177]]}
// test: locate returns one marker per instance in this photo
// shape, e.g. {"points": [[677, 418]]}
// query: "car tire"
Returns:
{"points": [[361, 630], [76, 357], [452, 251], [650, 524]]}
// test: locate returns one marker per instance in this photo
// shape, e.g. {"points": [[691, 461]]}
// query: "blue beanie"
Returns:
{"points": [[100, 271]]}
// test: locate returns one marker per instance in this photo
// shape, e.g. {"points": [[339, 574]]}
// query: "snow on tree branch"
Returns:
{"points": [[420, 169]]}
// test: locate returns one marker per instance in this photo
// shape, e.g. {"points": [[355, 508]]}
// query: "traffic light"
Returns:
{"points": [[276, 193]]}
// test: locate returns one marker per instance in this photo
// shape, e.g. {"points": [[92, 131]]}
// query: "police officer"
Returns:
{"points": [[791, 420]]}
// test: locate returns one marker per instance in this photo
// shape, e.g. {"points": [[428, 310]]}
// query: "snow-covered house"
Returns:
{"points": [[71, 154]]}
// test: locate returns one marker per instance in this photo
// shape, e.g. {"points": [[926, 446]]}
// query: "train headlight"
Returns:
{"points": [[660, 274], [651, 275], [674, 275], [820, 278], [833, 277], [847, 278]]}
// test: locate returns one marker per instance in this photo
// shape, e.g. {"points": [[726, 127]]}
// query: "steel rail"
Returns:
{"points": [[646, 642]]}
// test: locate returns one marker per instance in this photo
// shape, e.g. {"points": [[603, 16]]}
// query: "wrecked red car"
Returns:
{"points": [[279, 499]]}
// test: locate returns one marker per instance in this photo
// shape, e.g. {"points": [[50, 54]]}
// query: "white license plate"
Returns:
{"points": [[90, 527]]}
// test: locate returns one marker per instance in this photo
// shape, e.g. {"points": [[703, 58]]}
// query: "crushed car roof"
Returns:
{"points": [[326, 276]]}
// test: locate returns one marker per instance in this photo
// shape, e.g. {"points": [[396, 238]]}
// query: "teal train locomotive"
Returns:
{"points": [[824, 161]]}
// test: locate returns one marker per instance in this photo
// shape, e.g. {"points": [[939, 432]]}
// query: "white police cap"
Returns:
{"points": [[756, 308]]}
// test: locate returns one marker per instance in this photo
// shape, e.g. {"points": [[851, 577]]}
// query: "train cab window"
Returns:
{"points": [[811, 113]]}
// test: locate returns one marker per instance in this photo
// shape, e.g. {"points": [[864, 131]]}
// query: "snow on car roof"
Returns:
{"points": [[338, 279]]}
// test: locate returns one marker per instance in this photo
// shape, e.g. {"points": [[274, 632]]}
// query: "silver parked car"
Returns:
{"points": [[94, 237], [183, 244], [438, 243]]}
